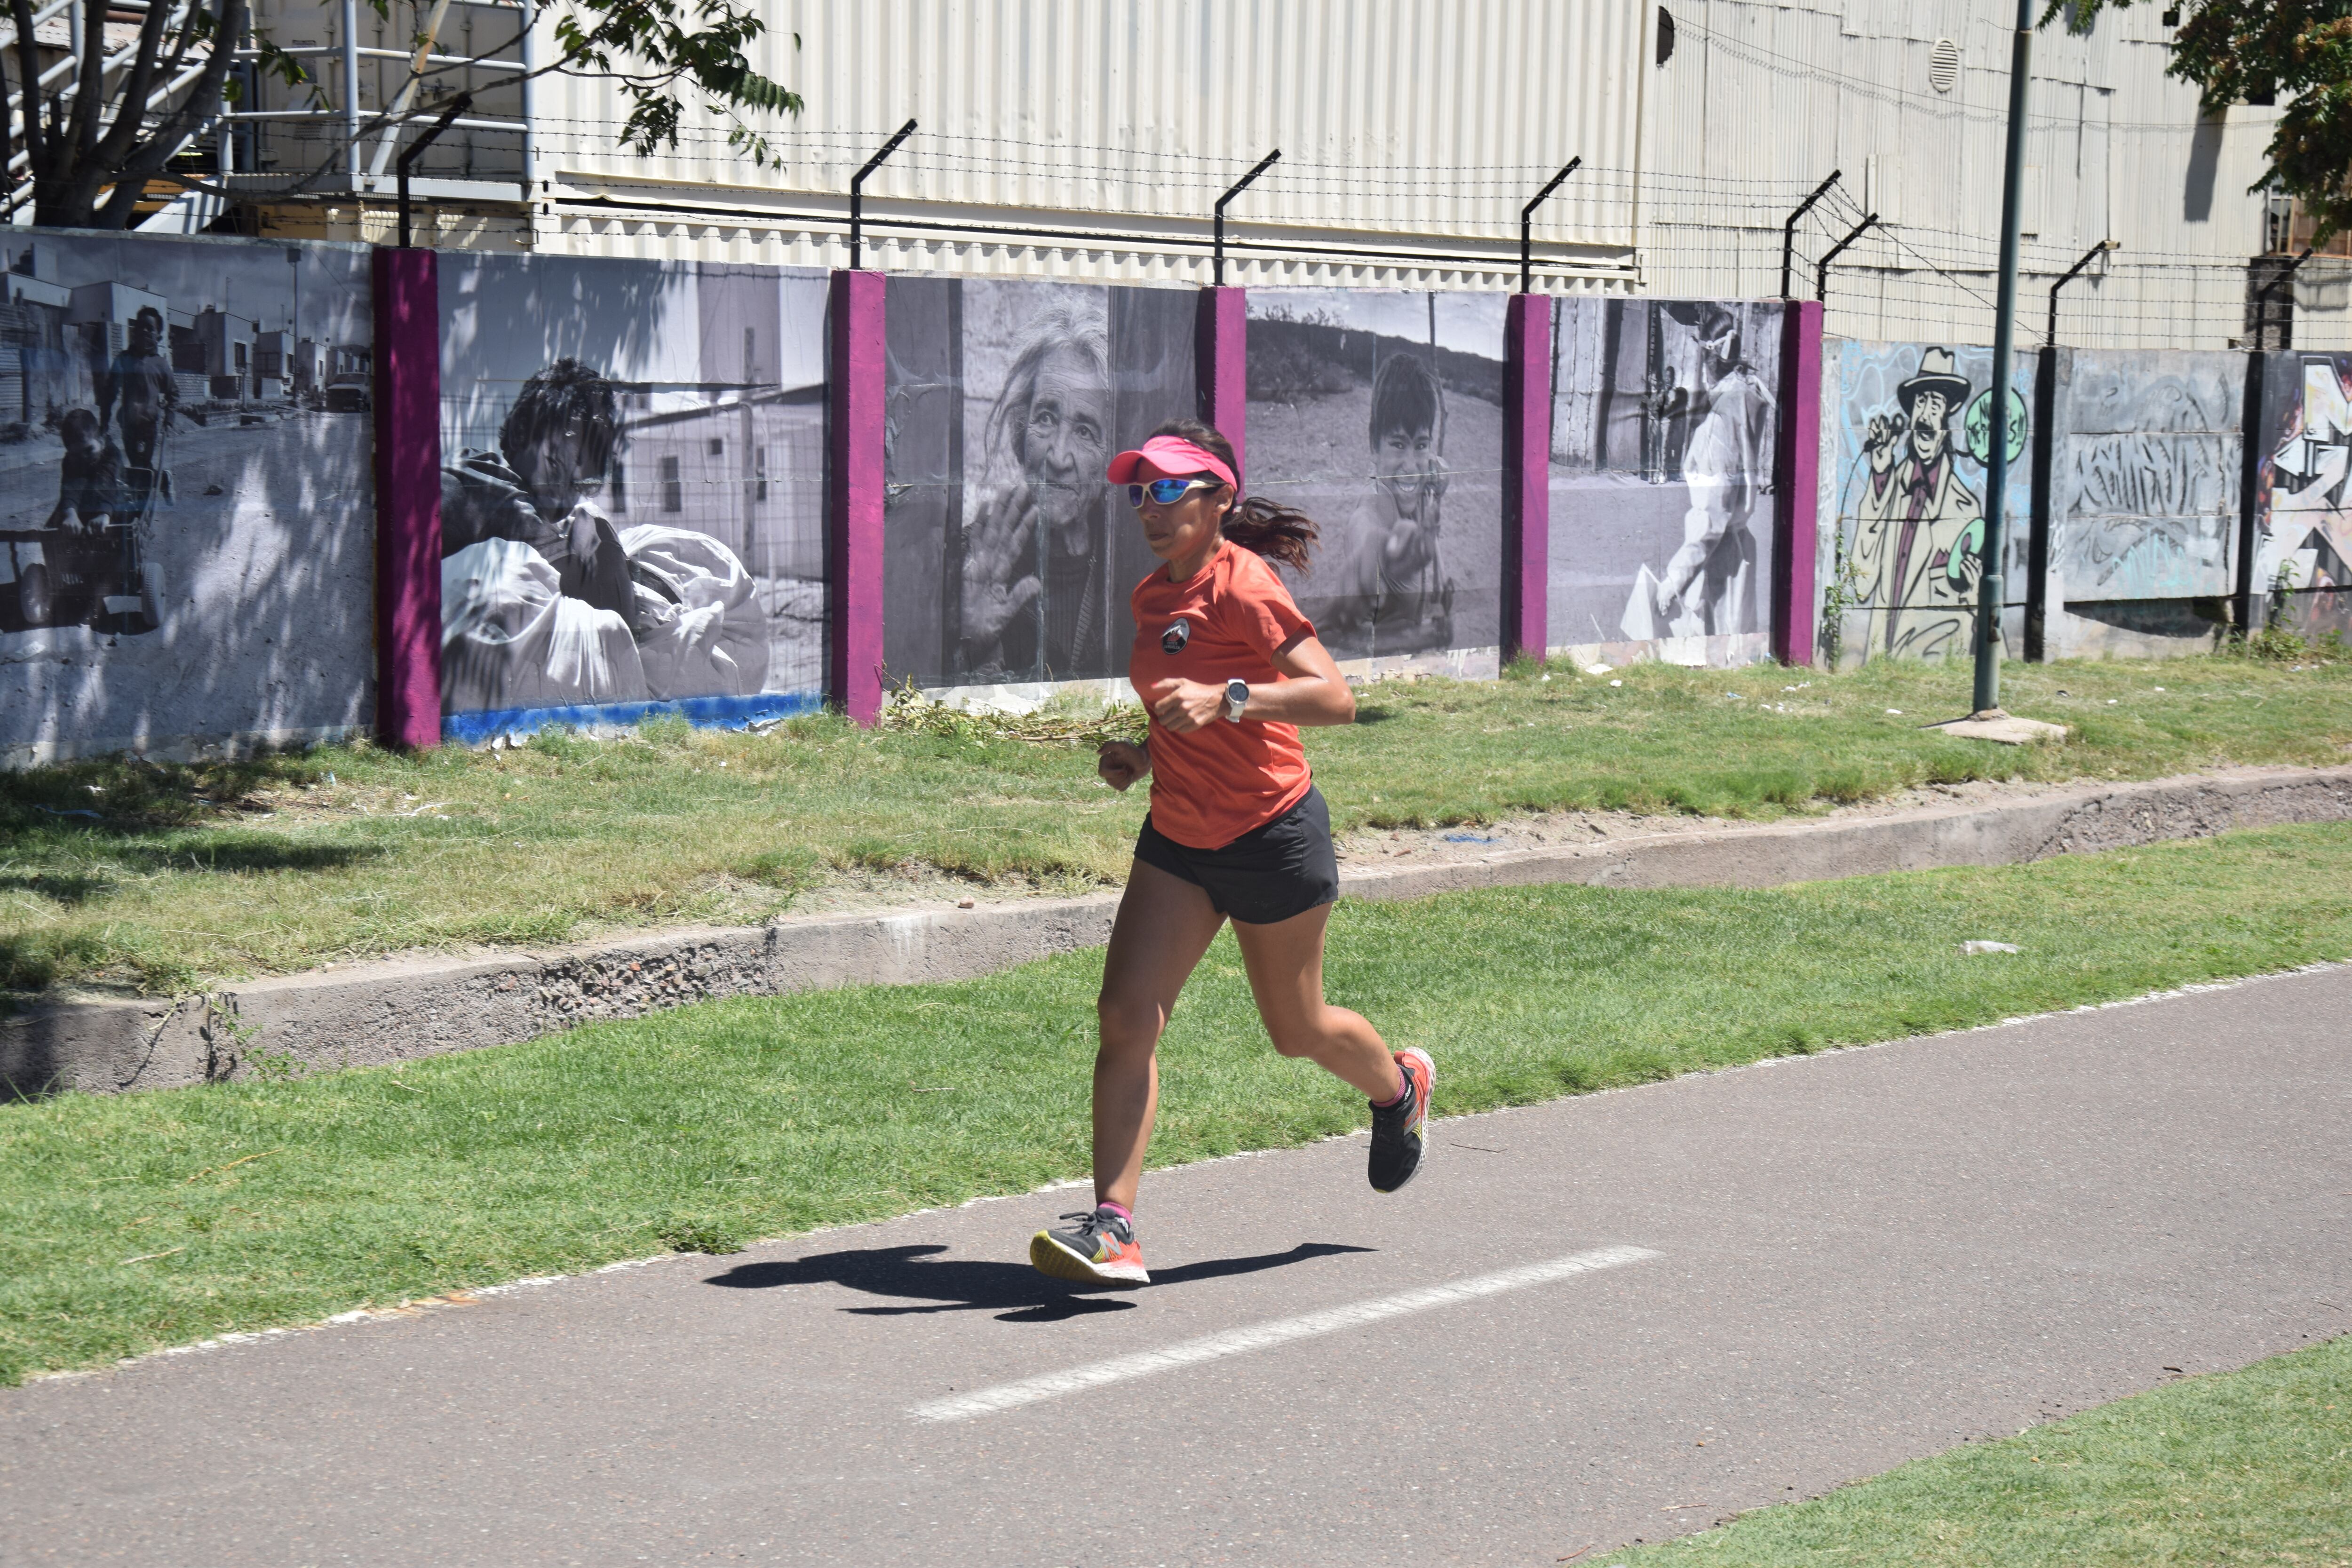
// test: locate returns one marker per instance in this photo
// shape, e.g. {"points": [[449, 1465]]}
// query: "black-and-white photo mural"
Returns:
{"points": [[1379, 415], [1665, 417], [187, 528], [633, 491], [1009, 560]]}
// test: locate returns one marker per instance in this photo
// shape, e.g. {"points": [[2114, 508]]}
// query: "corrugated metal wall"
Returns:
{"points": [[1400, 120], [1762, 98], [1413, 130]]}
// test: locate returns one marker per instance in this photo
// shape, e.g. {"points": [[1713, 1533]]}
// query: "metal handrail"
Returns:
{"points": [[310, 51], [475, 122]]}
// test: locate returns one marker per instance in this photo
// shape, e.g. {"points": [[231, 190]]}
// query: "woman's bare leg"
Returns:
{"points": [[1165, 923], [1285, 973]]}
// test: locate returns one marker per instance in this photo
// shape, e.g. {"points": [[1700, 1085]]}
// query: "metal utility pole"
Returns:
{"points": [[2004, 337], [2071, 273], [1788, 230], [857, 196], [1526, 219], [1237, 188]]}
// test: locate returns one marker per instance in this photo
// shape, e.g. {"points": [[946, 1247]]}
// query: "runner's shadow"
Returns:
{"points": [[1018, 1293]]}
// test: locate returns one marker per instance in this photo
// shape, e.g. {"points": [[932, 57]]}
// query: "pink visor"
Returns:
{"points": [[1172, 455]]}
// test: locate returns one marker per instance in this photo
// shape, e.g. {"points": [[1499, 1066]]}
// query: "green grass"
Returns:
{"points": [[253, 1204], [168, 879], [2247, 1467]]}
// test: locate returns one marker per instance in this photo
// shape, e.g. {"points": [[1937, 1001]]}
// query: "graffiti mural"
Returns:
{"points": [[1008, 563], [186, 517], [2303, 554], [1915, 426], [1379, 415], [632, 506], [1664, 419], [2147, 520]]}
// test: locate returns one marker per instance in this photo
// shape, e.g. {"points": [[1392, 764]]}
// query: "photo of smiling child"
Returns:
{"points": [[1389, 584], [1381, 412]]}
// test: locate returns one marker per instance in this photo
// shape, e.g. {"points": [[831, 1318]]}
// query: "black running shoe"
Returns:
{"points": [[1400, 1130], [1100, 1249]]}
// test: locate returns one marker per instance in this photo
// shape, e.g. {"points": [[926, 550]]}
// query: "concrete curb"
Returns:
{"points": [[380, 1012]]}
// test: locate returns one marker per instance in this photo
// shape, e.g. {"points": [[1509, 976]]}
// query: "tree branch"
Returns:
{"points": [[29, 66], [178, 124], [132, 106], [89, 88]]}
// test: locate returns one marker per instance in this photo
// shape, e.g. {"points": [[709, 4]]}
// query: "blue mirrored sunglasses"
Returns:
{"points": [[1167, 492]]}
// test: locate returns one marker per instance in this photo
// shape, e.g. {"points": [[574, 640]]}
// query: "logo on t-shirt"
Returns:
{"points": [[1178, 633]]}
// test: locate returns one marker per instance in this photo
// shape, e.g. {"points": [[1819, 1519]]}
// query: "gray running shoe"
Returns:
{"points": [[1400, 1130], [1100, 1249]]}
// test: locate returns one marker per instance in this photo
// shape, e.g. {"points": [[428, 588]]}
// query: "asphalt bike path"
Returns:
{"points": [[1622, 1316]]}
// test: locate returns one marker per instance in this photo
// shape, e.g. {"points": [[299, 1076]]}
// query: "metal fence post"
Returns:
{"points": [[2253, 520], [1796, 484]]}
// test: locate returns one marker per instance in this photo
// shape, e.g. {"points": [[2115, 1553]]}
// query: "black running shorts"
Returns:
{"points": [[1268, 874]]}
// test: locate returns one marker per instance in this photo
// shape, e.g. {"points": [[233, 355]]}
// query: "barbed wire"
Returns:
{"points": [[1707, 235]]}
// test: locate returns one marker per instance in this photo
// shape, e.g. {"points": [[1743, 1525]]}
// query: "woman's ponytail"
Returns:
{"points": [[1280, 534]]}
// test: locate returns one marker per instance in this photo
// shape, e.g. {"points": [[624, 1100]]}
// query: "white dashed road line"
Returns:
{"points": [[1280, 1331]]}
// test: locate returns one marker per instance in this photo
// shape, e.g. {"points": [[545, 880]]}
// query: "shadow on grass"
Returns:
{"points": [[223, 853], [966, 1286], [122, 794]]}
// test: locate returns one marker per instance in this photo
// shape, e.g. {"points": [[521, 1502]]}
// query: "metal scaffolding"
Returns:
{"points": [[335, 133]]}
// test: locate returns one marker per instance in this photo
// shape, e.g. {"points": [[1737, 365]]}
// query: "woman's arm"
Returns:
{"points": [[1314, 693]]}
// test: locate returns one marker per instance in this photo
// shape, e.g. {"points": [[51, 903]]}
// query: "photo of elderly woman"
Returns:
{"points": [[1047, 439], [1006, 566]]}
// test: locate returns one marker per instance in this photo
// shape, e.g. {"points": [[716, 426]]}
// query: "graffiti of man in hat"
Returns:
{"points": [[1919, 531]]}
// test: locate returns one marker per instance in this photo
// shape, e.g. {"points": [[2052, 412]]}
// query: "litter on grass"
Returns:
{"points": [[1972, 949]]}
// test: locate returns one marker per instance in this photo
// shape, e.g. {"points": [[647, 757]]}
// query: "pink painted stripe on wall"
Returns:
{"points": [[407, 497], [1220, 362], [1526, 476], [1797, 468], [855, 494]]}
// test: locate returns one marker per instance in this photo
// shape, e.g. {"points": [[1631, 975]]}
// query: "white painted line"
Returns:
{"points": [[1264, 1336]]}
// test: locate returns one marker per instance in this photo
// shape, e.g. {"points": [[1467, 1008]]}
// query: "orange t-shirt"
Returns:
{"points": [[1213, 784]]}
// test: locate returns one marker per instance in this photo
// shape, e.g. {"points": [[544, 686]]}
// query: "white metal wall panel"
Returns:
{"points": [[1762, 98], [1433, 118], [1421, 125]]}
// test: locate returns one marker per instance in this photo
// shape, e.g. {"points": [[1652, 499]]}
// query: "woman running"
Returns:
{"points": [[1228, 669]]}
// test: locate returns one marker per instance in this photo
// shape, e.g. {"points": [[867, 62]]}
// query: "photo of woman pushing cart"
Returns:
{"points": [[88, 564]]}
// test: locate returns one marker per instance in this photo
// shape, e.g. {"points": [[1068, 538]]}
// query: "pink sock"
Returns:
{"points": [[1404, 1089], [1118, 1209]]}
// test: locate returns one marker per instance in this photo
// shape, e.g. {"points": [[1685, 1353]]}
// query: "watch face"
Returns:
{"points": [[1237, 691]]}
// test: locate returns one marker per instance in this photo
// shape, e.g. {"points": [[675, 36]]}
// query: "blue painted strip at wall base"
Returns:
{"points": [[705, 713]]}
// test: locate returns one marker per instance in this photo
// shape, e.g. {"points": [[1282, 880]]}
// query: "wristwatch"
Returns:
{"points": [[1237, 698]]}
